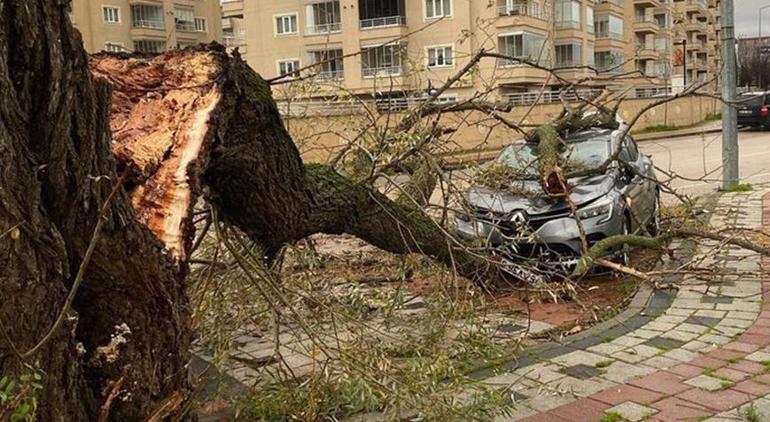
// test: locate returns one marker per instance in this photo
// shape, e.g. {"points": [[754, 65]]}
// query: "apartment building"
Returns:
{"points": [[149, 26], [408, 47]]}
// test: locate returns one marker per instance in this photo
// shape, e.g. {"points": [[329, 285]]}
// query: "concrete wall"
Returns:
{"points": [[318, 137]]}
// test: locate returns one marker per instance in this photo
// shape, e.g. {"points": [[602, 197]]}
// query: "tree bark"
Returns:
{"points": [[159, 132]]}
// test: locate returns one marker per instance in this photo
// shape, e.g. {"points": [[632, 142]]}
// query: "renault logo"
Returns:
{"points": [[518, 218]]}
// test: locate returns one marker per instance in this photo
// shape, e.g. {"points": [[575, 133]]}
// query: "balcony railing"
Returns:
{"points": [[330, 75], [567, 24], [382, 71], [529, 98], [653, 92], [151, 24], [232, 41], [615, 2], [324, 28], [521, 10], [186, 26], [384, 21], [609, 35]]}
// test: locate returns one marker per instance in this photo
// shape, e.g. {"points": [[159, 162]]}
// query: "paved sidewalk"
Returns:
{"points": [[704, 352]]}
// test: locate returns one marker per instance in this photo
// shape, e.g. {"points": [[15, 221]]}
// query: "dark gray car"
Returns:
{"points": [[624, 199]]}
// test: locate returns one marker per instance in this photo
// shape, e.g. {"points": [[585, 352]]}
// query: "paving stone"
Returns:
{"points": [[730, 374], [692, 328], [516, 413], [680, 335], [627, 356], [585, 410], [681, 355], [544, 400], [759, 356], [664, 343], [660, 362], [632, 412], [715, 339], [751, 316], [646, 334], [622, 393], [579, 357], [717, 400], [660, 326], [628, 341], [578, 387], [708, 383], [706, 321], [717, 299], [710, 314], [622, 372], [582, 371], [541, 372], [662, 382], [686, 370], [698, 346], [606, 348], [675, 409], [748, 366], [736, 323], [742, 347], [752, 387]]}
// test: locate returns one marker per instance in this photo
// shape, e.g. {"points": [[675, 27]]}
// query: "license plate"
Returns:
{"points": [[521, 272], [744, 112]]}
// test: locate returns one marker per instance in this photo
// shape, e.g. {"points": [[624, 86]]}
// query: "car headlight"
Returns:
{"points": [[603, 210]]}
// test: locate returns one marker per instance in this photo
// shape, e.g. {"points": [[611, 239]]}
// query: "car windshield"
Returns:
{"points": [[751, 100], [580, 154]]}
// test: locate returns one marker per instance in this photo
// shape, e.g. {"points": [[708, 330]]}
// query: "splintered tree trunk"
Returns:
{"points": [[143, 138]]}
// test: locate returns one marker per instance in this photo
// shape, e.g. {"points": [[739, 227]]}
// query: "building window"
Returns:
{"points": [[382, 60], [590, 20], [286, 24], [609, 26], [200, 24], [330, 63], [519, 8], [146, 16], [185, 20], [114, 47], [523, 46], [111, 14], [438, 8], [440, 56], [149, 46], [590, 59], [323, 17], [567, 14], [568, 55], [609, 61], [288, 67], [373, 13]]}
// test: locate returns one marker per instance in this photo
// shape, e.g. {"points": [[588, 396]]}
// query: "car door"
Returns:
{"points": [[637, 191]]}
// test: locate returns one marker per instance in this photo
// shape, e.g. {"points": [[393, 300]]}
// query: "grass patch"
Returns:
{"points": [[604, 363], [766, 364], [741, 187], [611, 417], [751, 413]]}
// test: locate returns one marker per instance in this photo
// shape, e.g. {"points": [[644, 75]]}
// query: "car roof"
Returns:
{"points": [[587, 134]]}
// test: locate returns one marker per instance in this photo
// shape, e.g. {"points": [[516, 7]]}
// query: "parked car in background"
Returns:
{"points": [[522, 223], [753, 110]]}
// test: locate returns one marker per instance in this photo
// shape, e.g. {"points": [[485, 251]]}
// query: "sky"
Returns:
{"points": [[747, 17]]}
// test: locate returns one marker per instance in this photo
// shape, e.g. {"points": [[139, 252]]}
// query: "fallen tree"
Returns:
{"points": [[100, 175]]}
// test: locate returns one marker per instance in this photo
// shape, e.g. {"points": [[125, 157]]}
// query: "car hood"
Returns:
{"points": [[584, 190]]}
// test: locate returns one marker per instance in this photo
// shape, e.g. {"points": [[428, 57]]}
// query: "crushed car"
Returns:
{"points": [[520, 223]]}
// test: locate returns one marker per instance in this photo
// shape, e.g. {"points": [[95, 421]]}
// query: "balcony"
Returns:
{"points": [[529, 10], [695, 26], [330, 75], [646, 51], [384, 71], [384, 21], [147, 21], [646, 25], [647, 3], [149, 24], [327, 28], [696, 6]]}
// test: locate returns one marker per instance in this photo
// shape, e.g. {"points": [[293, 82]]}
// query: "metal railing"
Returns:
{"points": [[324, 28], [186, 27], [567, 24], [233, 41], [609, 35], [384, 21], [326, 75], [521, 10], [151, 24], [653, 92], [382, 71], [548, 97]]}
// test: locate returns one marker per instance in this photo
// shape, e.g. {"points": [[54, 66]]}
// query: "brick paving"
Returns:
{"points": [[706, 357]]}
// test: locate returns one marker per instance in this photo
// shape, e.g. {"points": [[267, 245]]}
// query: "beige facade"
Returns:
{"points": [[146, 25], [411, 46]]}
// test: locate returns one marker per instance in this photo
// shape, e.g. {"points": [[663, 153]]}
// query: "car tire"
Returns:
{"points": [[653, 226], [624, 254]]}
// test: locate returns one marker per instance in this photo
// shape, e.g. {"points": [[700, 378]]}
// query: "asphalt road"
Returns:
{"points": [[698, 160]]}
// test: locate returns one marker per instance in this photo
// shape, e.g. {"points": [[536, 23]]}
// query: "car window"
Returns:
{"points": [[578, 155], [751, 100]]}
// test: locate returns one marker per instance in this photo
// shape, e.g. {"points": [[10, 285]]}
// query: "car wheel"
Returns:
{"points": [[624, 254], [653, 227]]}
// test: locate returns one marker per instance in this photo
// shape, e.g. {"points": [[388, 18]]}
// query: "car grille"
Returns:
{"points": [[531, 224]]}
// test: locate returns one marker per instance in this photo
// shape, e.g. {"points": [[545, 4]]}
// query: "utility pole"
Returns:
{"points": [[729, 113]]}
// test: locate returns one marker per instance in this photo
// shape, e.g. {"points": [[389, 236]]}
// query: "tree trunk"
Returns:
{"points": [[136, 145]]}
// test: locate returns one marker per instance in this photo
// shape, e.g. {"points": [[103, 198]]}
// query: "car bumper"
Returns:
{"points": [[556, 242]]}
